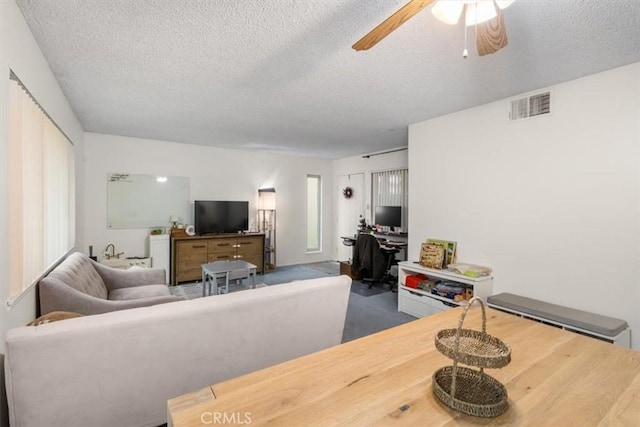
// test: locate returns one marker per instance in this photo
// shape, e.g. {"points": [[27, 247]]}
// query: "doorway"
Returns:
{"points": [[349, 211]]}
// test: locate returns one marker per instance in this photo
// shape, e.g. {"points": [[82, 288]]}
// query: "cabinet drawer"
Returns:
{"points": [[419, 305], [255, 259], [224, 246], [220, 256], [189, 271], [247, 242], [191, 264], [250, 251], [195, 258], [191, 249]]}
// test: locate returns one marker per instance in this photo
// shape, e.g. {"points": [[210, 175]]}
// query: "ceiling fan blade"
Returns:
{"points": [[491, 36], [391, 23]]}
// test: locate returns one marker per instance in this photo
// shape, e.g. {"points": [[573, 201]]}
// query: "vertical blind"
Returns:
{"points": [[391, 188], [41, 191]]}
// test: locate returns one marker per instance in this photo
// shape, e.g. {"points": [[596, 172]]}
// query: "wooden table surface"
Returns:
{"points": [[555, 378]]}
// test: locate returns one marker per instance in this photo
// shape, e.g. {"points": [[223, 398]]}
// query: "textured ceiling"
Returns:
{"points": [[280, 75]]}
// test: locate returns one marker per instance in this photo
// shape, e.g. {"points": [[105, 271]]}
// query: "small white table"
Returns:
{"points": [[212, 271]]}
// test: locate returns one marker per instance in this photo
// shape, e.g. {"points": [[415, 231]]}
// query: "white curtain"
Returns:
{"points": [[42, 191], [391, 188]]}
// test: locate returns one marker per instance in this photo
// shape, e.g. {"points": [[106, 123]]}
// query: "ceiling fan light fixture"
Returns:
{"points": [[490, 36], [503, 4], [475, 11], [448, 12], [481, 11], [478, 12]]}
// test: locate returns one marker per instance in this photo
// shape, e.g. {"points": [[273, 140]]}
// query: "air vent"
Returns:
{"points": [[530, 106]]}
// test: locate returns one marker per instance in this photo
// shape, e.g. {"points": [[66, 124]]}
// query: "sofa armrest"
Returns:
{"points": [[116, 278], [57, 296]]}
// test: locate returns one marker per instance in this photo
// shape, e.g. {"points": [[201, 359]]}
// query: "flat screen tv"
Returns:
{"points": [[389, 216], [215, 216]]}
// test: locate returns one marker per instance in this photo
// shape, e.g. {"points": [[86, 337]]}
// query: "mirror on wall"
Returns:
{"points": [[143, 201]]}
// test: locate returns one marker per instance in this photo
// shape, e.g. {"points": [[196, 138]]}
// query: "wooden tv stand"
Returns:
{"points": [[188, 253]]}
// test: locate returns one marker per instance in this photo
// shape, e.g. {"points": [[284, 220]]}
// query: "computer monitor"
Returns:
{"points": [[388, 216]]}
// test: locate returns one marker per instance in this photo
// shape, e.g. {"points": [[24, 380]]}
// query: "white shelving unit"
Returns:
{"points": [[159, 246], [419, 303]]}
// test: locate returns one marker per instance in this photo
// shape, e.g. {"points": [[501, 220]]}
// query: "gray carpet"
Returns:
{"points": [[194, 290], [331, 268], [363, 289], [369, 310]]}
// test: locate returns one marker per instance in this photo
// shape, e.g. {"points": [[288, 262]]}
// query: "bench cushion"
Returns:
{"points": [[603, 325]]}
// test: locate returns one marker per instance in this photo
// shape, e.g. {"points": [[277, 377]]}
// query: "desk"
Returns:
{"points": [[349, 240], [384, 241], [396, 241], [394, 245], [555, 378], [392, 235], [213, 271], [387, 245]]}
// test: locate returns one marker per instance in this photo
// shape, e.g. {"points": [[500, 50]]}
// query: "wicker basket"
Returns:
{"points": [[477, 394], [467, 390]]}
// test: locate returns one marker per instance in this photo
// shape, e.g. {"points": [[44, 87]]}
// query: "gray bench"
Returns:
{"points": [[603, 327]]}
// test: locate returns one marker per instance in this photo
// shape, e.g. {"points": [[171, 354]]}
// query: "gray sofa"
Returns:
{"points": [[84, 286], [120, 368]]}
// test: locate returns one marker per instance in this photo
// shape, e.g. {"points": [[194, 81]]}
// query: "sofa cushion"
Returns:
{"points": [[138, 292], [77, 271]]}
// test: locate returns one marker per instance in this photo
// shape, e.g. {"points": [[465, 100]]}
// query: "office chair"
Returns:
{"points": [[371, 260]]}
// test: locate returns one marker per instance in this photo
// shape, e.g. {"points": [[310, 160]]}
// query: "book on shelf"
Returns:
{"points": [[432, 255], [449, 248]]}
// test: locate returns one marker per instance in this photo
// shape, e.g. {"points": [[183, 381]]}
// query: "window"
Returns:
{"points": [[314, 213], [41, 191], [391, 188]]}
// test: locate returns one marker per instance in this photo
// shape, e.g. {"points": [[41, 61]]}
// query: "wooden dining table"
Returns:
{"points": [[555, 378]]}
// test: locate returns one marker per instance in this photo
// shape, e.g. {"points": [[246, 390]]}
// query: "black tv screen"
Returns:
{"points": [[389, 216], [214, 216]]}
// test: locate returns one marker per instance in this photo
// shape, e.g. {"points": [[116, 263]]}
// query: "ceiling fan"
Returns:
{"points": [[485, 15]]}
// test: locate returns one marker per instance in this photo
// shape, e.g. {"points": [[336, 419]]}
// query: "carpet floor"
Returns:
{"points": [[369, 310], [194, 290]]}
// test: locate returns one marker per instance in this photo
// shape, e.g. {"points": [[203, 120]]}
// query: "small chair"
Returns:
{"points": [[373, 261]]}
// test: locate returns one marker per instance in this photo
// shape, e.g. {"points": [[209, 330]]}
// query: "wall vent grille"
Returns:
{"points": [[530, 106]]}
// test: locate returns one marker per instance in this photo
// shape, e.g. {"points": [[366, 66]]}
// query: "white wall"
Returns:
{"points": [[215, 174], [358, 164], [19, 52], [550, 203]]}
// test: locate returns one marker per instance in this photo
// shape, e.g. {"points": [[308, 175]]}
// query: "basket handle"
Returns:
{"points": [[456, 350]]}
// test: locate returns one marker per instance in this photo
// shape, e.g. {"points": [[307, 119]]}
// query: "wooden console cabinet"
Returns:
{"points": [[189, 253]]}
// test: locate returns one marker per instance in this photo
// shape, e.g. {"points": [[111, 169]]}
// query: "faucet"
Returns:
{"points": [[113, 253], [113, 250]]}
